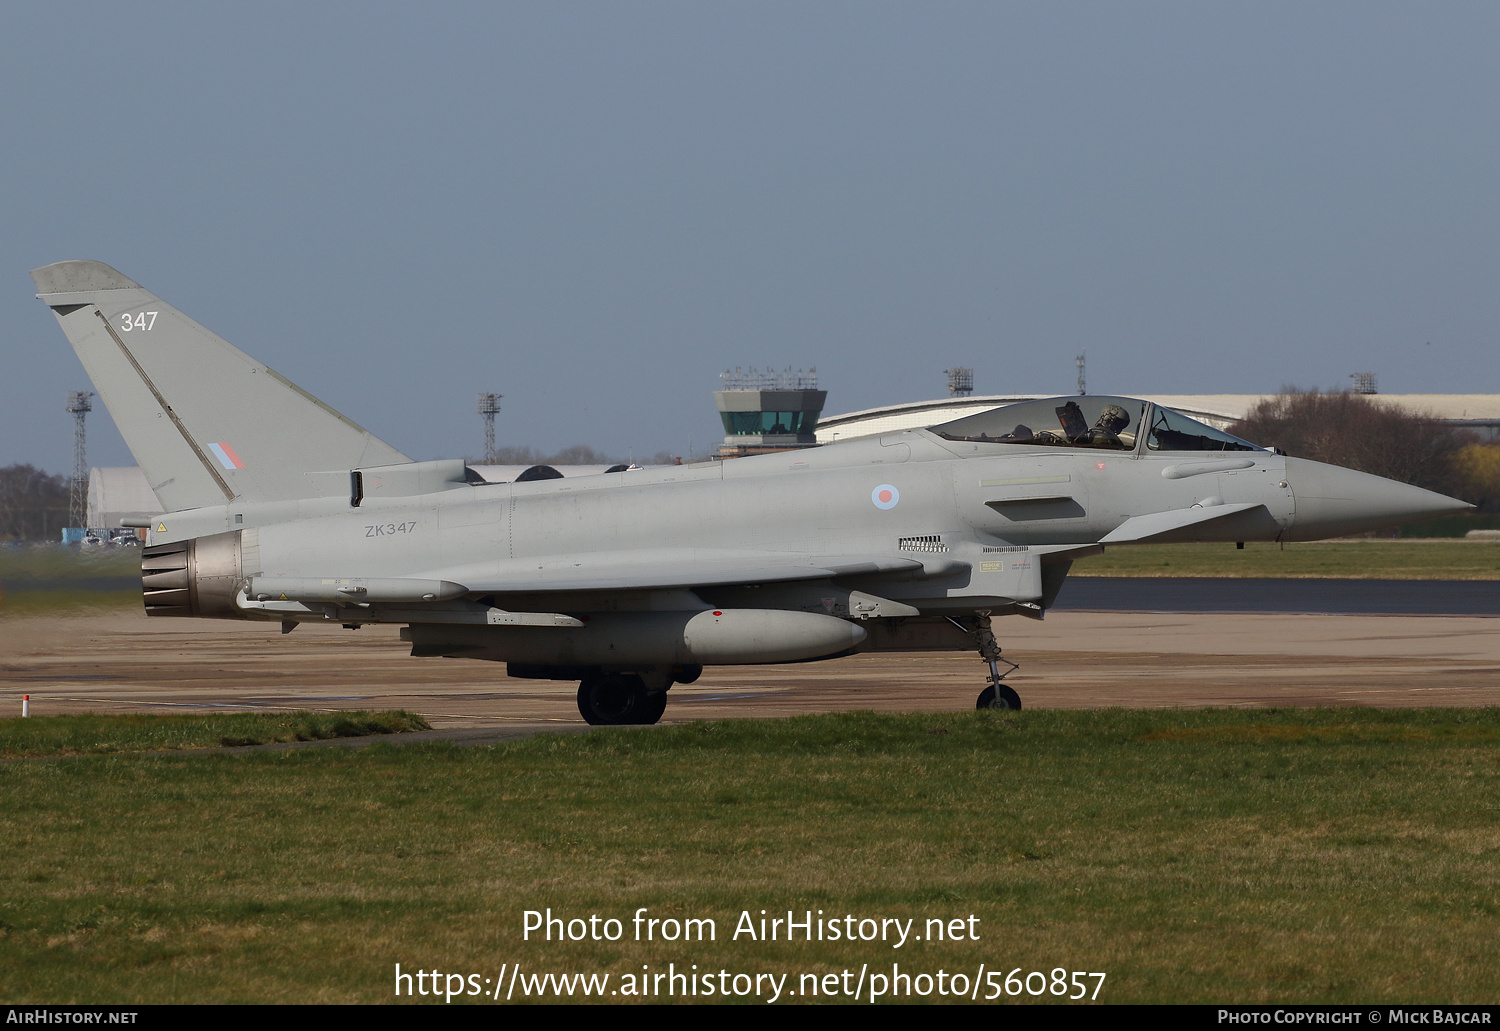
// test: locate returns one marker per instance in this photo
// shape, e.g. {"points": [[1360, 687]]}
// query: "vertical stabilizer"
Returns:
{"points": [[207, 423]]}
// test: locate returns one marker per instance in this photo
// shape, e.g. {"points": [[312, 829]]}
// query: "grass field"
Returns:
{"points": [[1374, 559], [44, 580], [1206, 856], [88, 733]]}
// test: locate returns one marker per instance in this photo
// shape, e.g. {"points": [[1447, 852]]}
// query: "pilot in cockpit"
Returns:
{"points": [[1108, 427]]}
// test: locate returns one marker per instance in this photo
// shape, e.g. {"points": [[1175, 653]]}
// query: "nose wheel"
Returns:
{"points": [[998, 697]]}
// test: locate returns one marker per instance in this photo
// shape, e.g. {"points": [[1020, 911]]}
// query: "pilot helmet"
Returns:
{"points": [[1113, 418]]}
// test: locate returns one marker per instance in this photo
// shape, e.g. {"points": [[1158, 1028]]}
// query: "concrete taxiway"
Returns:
{"points": [[1279, 594], [1075, 659]]}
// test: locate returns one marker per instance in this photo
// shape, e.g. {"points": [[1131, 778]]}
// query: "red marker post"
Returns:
{"points": [[25, 705]]}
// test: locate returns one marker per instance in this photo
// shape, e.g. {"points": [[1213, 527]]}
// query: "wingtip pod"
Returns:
{"points": [[67, 277]]}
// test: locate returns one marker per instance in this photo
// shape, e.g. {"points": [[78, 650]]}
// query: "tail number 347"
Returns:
{"points": [[142, 320]]}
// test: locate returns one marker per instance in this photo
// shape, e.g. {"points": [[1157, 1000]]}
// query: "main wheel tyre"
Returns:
{"points": [[613, 699], [656, 704], [1004, 699]]}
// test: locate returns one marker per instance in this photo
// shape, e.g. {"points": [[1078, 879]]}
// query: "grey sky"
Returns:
{"points": [[595, 208]]}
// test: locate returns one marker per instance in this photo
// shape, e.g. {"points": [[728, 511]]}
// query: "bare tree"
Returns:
{"points": [[1478, 466], [1359, 432], [33, 505]]}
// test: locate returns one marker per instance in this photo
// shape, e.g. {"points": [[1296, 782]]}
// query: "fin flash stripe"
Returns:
{"points": [[226, 456]]}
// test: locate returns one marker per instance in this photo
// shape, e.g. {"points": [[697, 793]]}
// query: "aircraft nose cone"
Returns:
{"points": [[1332, 501]]}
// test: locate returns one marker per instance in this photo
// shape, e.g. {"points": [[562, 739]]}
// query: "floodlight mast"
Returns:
{"points": [[79, 405], [489, 404]]}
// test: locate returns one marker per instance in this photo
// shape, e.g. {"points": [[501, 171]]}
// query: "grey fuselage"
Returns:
{"points": [[977, 520]]}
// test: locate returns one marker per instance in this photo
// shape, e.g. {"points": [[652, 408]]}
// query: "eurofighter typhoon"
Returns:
{"points": [[281, 509]]}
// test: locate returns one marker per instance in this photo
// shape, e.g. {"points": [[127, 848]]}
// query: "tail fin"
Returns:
{"points": [[207, 423]]}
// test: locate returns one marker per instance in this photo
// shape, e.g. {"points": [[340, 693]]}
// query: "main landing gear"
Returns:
{"points": [[997, 695], [629, 699], [617, 699]]}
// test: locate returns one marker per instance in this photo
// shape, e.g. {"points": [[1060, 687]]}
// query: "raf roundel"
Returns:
{"points": [[885, 496]]}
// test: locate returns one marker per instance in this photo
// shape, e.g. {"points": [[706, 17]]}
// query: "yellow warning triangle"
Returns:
{"points": [[283, 597], [161, 527]]}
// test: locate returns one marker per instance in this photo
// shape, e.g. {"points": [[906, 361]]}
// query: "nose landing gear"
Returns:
{"points": [[998, 695]]}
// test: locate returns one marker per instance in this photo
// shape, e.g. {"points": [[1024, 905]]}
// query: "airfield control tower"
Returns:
{"points": [[768, 411]]}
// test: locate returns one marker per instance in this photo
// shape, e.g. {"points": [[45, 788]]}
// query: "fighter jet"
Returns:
{"points": [[281, 509]]}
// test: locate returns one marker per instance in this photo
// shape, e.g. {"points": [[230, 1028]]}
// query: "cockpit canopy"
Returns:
{"points": [[1091, 421]]}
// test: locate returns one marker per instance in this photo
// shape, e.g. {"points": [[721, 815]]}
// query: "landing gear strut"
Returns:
{"points": [[997, 695]]}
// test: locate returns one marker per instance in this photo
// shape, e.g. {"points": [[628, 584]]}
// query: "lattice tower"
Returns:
{"points": [[960, 381], [489, 404], [78, 404]]}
